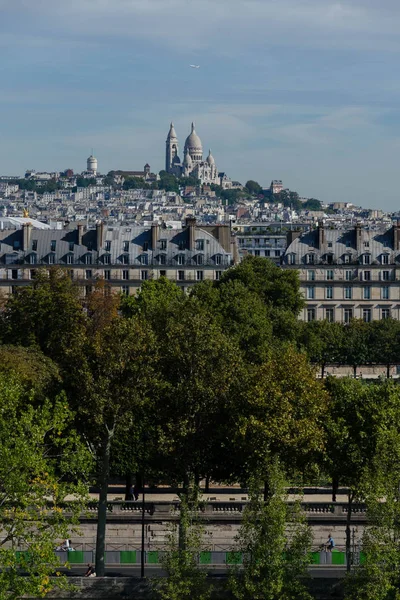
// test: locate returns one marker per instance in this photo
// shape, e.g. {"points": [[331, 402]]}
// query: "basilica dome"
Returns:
{"points": [[210, 159], [194, 146]]}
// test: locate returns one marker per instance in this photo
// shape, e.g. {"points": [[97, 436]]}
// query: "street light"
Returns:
{"points": [[145, 437]]}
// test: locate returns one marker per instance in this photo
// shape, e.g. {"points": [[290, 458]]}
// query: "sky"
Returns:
{"points": [[307, 91]]}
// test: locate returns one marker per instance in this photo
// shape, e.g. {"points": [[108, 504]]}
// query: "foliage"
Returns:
{"points": [[185, 579], [253, 187], [42, 460], [274, 540], [323, 341]]}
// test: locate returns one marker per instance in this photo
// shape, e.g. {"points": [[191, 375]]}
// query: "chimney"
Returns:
{"points": [[155, 232], [80, 234], [396, 235], [358, 232], [291, 236], [191, 228], [26, 236], [321, 235], [99, 236]]}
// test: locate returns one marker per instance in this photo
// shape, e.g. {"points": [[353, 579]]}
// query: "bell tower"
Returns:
{"points": [[172, 148]]}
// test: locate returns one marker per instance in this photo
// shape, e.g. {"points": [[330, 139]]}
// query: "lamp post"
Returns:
{"points": [[143, 524]]}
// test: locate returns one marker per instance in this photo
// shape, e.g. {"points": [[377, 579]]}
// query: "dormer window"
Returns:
{"points": [[107, 246], [291, 259], [310, 259], [218, 259], [200, 245], [126, 246], [200, 259], [163, 244], [366, 259], [32, 259], [385, 259], [88, 259], [34, 245], [181, 259], [51, 259], [53, 244], [162, 259]]}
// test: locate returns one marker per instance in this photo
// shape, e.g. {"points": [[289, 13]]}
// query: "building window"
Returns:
{"points": [[125, 290], [71, 274], [348, 292], [346, 258], [385, 259], [53, 244], [200, 259], [310, 314], [163, 273], [200, 245], [51, 259], [366, 244], [32, 259], [32, 273], [181, 259], [366, 259], [367, 276], [385, 292], [366, 315], [257, 253], [329, 275], [107, 246], [330, 315], [385, 275], [218, 259], [125, 246], [367, 292], [277, 253], [70, 259], [310, 275], [144, 275], [181, 245], [14, 274], [144, 259], [310, 259], [385, 313], [329, 292], [181, 275], [310, 292], [349, 275], [199, 275], [71, 246], [125, 275], [88, 274], [348, 315], [107, 274], [34, 245], [291, 259], [89, 246], [88, 259], [145, 246], [162, 259], [88, 290], [163, 244]]}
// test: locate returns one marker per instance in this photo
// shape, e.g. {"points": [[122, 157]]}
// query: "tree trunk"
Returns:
{"points": [[182, 532], [267, 490], [387, 371], [348, 531], [102, 510], [322, 370], [355, 371], [207, 488], [128, 486]]}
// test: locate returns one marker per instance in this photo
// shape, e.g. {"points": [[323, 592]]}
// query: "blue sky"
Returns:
{"points": [[306, 91]]}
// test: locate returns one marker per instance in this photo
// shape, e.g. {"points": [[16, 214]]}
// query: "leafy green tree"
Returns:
{"points": [[280, 415], [253, 187], [384, 341], [323, 342], [312, 204], [185, 580], [275, 542], [42, 461], [361, 437], [357, 349]]}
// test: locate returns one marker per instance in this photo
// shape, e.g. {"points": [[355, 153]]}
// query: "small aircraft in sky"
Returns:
{"points": [[195, 66]]}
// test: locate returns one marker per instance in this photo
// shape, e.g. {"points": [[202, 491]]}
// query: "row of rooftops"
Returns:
{"points": [[120, 245]]}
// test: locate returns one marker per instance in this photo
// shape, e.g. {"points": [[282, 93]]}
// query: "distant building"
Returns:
{"points": [[347, 273], [122, 256], [92, 166], [193, 164], [276, 186]]}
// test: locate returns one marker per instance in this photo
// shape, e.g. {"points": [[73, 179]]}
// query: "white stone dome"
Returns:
{"points": [[187, 161], [210, 159], [193, 142]]}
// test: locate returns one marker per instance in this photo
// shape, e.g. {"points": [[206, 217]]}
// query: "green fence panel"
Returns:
{"points": [[233, 558], [362, 558], [152, 557], [338, 558], [76, 557], [205, 558], [315, 558], [127, 557]]}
